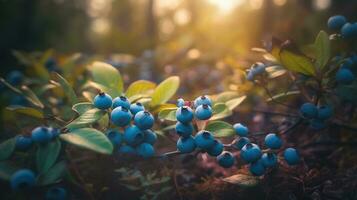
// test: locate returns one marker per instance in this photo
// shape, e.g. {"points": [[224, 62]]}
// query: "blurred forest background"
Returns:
{"points": [[208, 30]]}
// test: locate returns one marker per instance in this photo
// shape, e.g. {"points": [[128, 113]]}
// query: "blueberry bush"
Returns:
{"points": [[78, 132]]}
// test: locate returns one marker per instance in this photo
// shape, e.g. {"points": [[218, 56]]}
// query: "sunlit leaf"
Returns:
{"points": [[47, 155], [220, 110], [242, 180], [82, 107], [233, 103], [6, 148], [323, 49], [168, 114], [140, 87], [86, 118], [31, 96], [220, 129], [107, 76], [283, 95], [112, 92], [226, 96], [88, 95], [26, 111], [89, 138], [165, 106], [165, 90]]}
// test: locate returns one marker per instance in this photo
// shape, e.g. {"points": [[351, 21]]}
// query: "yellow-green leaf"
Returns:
{"points": [[220, 129], [165, 90], [140, 87], [322, 49], [26, 111]]}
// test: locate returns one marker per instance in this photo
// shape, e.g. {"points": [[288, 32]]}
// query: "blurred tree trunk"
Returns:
{"points": [[151, 26]]}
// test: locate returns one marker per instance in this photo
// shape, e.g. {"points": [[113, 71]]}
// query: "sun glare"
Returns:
{"points": [[226, 5]]}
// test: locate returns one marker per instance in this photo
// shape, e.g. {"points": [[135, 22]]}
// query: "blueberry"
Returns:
{"points": [[15, 77], [272, 141], [184, 114], [18, 100], [136, 107], [56, 193], [121, 101], [317, 124], [216, 149], [186, 144], [204, 139], [23, 142], [240, 142], [324, 112], [150, 137], [145, 150], [291, 156], [184, 130], [120, 116], [204, 99], [203, 112], [336, 22], [41, 135], [51, 64], [102, 101], [349, 30], [250, 153], [133, 135], [269, 159], [257, 168], [22, 179], [144, 120], [126, 149], [115, 137], [180, 102], [345, 76], [251, 75], [226, 159], [258, 68], [54, 132], [241, 130], [308, 110]]}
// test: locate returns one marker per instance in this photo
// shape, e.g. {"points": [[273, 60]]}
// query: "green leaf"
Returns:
{"points": [[233, 103], [140, 87], [323, 49], [89, 138], [3, 81], [220, 110], [220, 129], [107, 76], [226, 96], [31, 96], [165, 90], [86, 118], [82, 107], [292, 59], [88, 95], [275, 71], [112, 92], [168, 114], [7, 169], [284, 95], [47, 155], [6, 148], [242, 180], [26, 111], [54, 174], [347, 92], [68, 90]]}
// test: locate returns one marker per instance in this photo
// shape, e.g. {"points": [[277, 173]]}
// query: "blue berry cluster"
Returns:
{"points": [[339, 23], [256, 69], [317, 115], [260, 160], [344, 75], [136, 137], [205, 141], [41, 135], [25, 179]]}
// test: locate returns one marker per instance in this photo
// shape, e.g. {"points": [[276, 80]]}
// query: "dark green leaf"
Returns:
{"points": [[6, 148], [67, 89], [53, 175], [86, 118], [7, 169], [220, 129], [47, 155], [165, 90], [89, 138]]}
